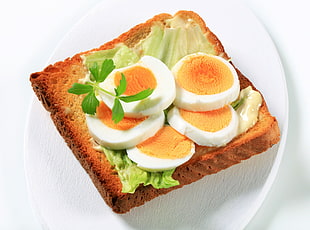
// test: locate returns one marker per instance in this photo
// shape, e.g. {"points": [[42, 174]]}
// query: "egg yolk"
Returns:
{"points": [[210, 121], [167, 143], [138, 79], [204, 75], [104, 113]]}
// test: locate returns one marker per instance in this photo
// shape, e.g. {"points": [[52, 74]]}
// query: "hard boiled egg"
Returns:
{"points": [[165, 150], [204, 82], [208, 128], [149, 72], [125, 134]]}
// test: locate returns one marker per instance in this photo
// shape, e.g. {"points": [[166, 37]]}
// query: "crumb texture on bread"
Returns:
{"points": [[51, 86]]}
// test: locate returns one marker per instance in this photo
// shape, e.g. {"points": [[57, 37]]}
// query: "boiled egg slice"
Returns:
{"points": [[208, 128], [204, 82], [149, 72], [125, 134], [165, 150]]}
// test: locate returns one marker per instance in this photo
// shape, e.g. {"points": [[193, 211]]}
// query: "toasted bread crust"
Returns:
{"points": [[51, 85]]}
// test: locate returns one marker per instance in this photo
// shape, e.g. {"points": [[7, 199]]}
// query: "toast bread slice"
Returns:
{"points": [[51, 86]]}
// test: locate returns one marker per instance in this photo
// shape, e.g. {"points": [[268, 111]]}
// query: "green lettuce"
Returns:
{"points": [[132, 176], [122, 56], [169, 45]]}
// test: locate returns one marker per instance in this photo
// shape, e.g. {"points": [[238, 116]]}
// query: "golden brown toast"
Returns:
{"points": [[51, 87]]}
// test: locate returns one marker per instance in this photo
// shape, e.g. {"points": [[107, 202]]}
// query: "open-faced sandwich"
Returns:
{"points": [[157, 108]]}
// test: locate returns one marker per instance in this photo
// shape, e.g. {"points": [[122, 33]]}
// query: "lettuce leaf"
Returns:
{"points": [[171, 44], [132, 176], [122, 56]]}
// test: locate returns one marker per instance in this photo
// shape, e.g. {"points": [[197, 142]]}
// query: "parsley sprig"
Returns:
{"points": [[91, 89]]}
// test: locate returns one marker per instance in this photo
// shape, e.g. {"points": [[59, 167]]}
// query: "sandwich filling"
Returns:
{"points": [[209, 121], [167, 143], [193, 98], [136, 83], [204, 75], [104, 114]]}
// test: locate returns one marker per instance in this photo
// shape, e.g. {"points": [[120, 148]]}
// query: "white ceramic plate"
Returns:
{"points": [[62, 193]]}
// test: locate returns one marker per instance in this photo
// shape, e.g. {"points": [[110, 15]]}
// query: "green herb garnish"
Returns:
{"points": [[237, 103], [91, 88]]}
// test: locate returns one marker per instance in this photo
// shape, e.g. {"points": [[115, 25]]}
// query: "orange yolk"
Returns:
{"points": [[204, 75], [138, 79], [167, 143], [104, 113], [210, 121]]}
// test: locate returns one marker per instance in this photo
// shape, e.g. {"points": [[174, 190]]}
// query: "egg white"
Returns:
{"points": [[193, 102], [122, 139], [162, 96], [201, 137], [155, 164]]}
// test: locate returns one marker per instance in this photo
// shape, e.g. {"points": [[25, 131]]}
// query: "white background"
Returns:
{"points": [[30, 31]]}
